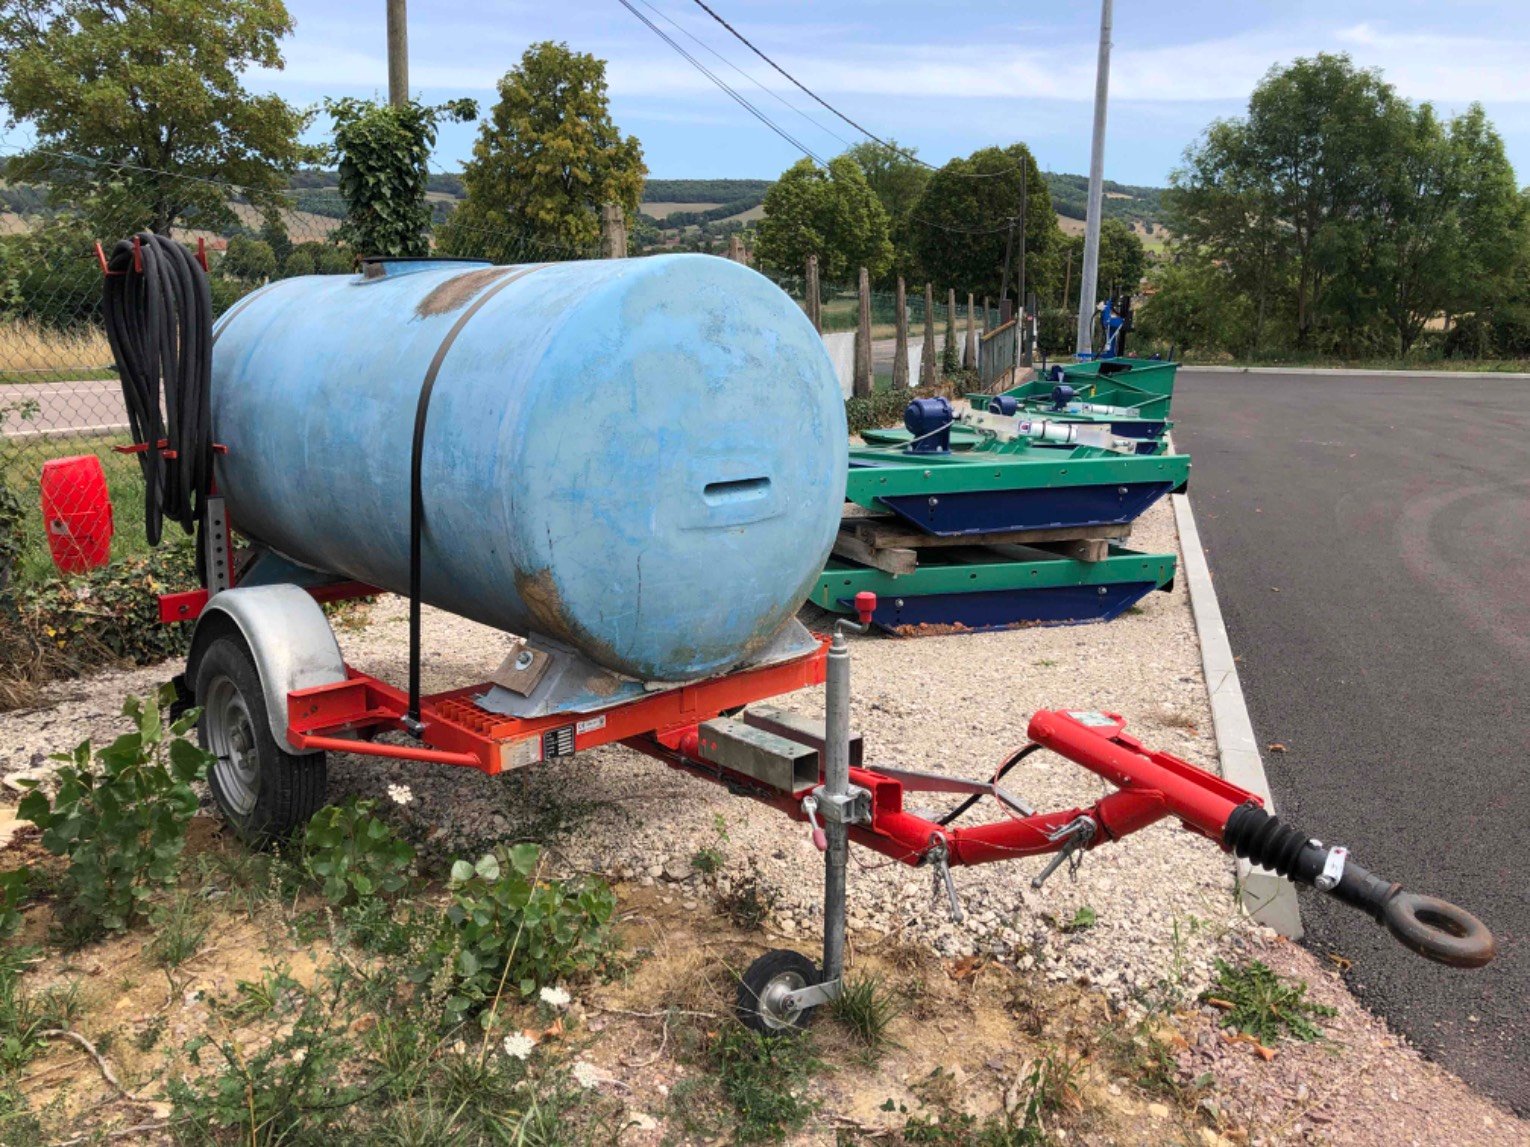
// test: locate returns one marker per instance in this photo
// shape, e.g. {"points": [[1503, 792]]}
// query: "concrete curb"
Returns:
{"points": [[1267, 897], [1474, 375]]}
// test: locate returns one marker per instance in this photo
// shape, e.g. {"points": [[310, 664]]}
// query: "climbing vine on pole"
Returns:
{"points": [[382, 151]]}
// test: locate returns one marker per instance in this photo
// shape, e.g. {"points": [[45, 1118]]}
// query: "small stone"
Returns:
{"points": [[1158, 1111], [641, 1121]]}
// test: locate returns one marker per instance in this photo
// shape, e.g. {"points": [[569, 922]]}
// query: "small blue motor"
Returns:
{"points": [[929, 421], [1005, 404], [1062, 395]]}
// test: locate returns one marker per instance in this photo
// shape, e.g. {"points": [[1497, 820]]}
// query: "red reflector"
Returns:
{"points": [[77, 513]]}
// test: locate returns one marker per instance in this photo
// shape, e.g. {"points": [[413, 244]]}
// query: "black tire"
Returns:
{"points": [[264, 792], [777, 971]]}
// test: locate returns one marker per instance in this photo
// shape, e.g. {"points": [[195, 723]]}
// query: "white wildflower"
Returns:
{"points": [[518, 1045], [555, 997], [586, 1075], [400, 794]]}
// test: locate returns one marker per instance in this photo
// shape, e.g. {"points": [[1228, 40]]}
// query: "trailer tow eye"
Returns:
{"points": [[1434, 928], [779, 992]]}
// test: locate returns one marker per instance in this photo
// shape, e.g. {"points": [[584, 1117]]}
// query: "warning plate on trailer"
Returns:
{"points": [[558, 743], [519, 754]]}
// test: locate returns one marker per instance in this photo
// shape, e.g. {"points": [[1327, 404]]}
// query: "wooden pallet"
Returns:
{"points": [[884, 542]]}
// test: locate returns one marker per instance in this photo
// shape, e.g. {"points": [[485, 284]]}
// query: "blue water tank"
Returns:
{"points": [[644, 458]]}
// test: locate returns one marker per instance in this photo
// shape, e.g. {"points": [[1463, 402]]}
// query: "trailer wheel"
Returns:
{"points": [[765, 991], [264, 792]]}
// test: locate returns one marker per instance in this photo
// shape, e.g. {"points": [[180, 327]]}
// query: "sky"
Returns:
{"points": [[945, 78]]}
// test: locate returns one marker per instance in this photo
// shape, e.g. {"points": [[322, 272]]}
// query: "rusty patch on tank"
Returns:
{"points": [[544, 603], [456, 291]]}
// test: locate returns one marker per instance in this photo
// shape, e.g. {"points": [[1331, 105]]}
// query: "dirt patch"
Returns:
{"points": [[456, 291]]}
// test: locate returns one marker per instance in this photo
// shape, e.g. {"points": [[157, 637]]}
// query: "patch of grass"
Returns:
{"points": [[765, 1081], [866, 1006], [180, 926], [31, 352], [24, 1015], [1047, 1088], [1260, 1003]]}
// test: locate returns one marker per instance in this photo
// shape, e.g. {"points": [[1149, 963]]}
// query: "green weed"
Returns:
{"points": [[1263, 1005]]}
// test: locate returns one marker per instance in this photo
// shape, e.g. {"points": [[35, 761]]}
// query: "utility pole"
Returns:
{"points": [[1091, 272], [398, 54], [1024, 193]]}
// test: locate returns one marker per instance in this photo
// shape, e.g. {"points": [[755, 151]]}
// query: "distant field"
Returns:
{"points": [[661, 210]]}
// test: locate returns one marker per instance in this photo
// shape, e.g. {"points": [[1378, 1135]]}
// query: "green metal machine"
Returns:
{"points": [[1019, 528], [1132, 396]]}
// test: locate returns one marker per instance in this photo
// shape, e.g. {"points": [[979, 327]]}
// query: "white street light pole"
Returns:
{"points": [[1086, 287]]}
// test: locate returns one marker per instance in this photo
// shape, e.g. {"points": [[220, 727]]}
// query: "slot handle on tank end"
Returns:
{"points": [[736, 490]]}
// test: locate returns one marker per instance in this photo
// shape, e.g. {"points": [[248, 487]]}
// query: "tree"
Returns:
{"points": [[831, 213], [1193, 304], [249, 260], [154, 91], [546, 160], [382, 151], [897, 179], [315, 258], [1123, 259], [1309, 152], [966, 214], [1223, 209]]}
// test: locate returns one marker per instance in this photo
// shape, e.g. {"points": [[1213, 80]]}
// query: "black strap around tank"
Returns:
{"points": [[416, 495]]}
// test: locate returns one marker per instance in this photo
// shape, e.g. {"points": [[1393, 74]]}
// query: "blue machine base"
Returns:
{"points": [[1000, 511], [1006, 608]]}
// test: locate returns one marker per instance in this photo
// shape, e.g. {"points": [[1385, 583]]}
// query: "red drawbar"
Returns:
{"points": [[77, 513]]}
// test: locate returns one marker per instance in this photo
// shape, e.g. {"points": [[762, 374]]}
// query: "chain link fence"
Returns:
{"points": [[60, 397]]}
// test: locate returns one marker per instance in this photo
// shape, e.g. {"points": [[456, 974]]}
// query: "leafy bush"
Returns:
{"points": [[506, 927], [109, 614], [884, 407], [11, 537], [120, 815], [355, 854]]}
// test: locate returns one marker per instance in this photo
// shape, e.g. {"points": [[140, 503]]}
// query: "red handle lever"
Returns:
{"points": [[865, 606]]}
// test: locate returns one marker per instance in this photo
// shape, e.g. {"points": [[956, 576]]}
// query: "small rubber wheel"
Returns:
{"points": [[765, 991], [264, 792]]}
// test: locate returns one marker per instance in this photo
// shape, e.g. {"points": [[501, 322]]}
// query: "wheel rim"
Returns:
{"points": [[774, 1010], [231, 738]]}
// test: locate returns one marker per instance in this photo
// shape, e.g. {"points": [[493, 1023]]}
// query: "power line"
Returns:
{"points": [[777, 96], [784, 134], [868, 133], [740, 100]]}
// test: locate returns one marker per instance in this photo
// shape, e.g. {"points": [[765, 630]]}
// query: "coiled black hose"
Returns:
{"points": [[159, 324]]}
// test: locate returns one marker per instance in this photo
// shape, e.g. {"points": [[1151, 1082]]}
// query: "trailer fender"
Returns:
{"points": [[288, 636]]}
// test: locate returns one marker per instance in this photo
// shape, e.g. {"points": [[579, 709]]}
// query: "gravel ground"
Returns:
{"points": [[1162, 900]]}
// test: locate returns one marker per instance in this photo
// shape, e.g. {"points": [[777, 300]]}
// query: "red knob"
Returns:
{"points": [[865, 606]]}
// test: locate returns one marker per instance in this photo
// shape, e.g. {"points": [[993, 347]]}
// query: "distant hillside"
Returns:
{"points": [[711, 191], [684, 202], [1070, 199]]}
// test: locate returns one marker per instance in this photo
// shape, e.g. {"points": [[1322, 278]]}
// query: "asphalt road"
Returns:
{"points": [[58, 409], [1369, 538]]}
